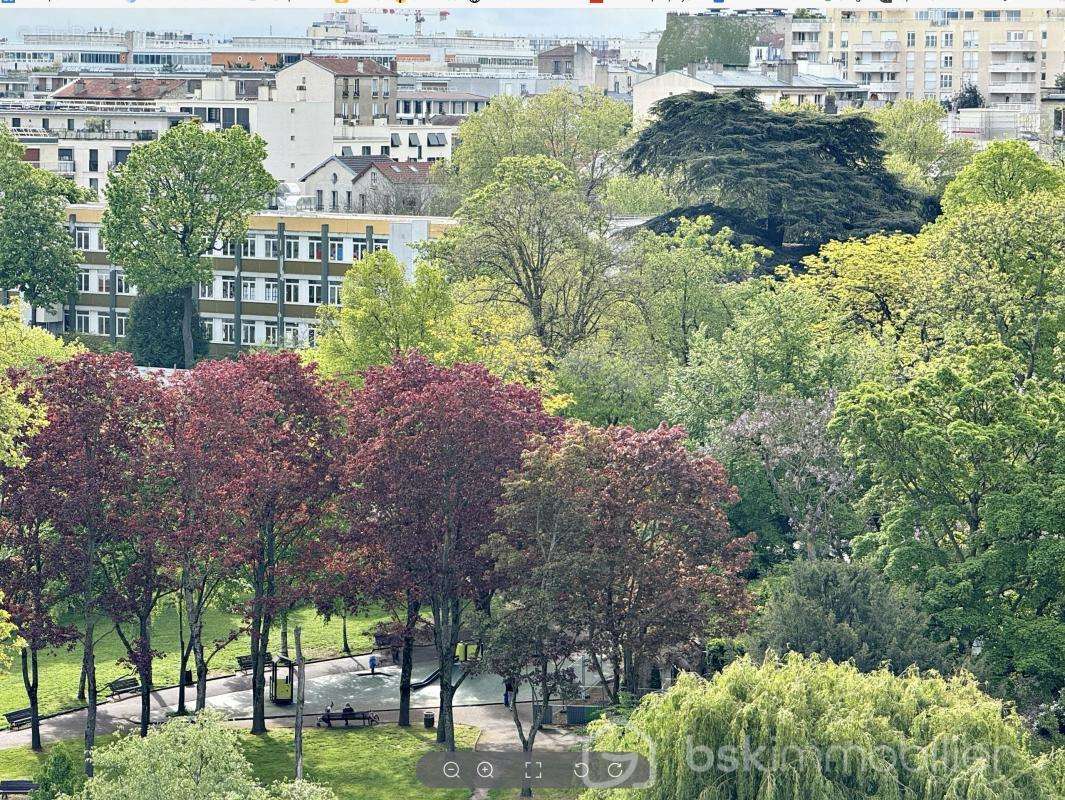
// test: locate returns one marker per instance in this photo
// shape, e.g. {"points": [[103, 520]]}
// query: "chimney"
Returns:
{"points": [[717, 67], [660, 66], [693, 69], [786, 72]]}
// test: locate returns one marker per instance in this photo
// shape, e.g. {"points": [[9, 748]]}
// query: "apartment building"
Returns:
{"points": [[367, 184], [265, 291], [931, 53]]}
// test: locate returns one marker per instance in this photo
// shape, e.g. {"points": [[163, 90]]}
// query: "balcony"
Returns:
{"points": [[875, 47], [882, 87], [1012, 47], [1013, 66], [806, 25], [1001, 87], [806, 47], [876, 66], [58, 167]]}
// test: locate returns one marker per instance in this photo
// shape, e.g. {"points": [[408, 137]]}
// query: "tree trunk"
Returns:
{"points": [[407, 666], [195, 614], [284, 635], [81, 684], [344, 632], [300, 681], [447, 619], [88, 666], [186, 326], [184, 649], [33, 315], [260, 642], [30, 678], [144, 670]]}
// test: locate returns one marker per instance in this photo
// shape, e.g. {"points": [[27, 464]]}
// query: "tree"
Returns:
{"points": [[381, 314], [1002, 172], [781, 339], [154, 336], [846, 611], [725, 39], [23, 352], [59, 776], [964, 471], [968, 97], [792, 177], [277, 429], [37, 254], [431, 446], [532, 234], [186, 759], [637, 196], [675, 280], [917, 147], [809, 728], [174, 200], [83, 467], [650, 561], [576, 129], [800, 459], [1011, 260]]}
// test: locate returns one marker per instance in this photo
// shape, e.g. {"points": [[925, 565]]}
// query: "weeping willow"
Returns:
{"points": [[805, 729]]}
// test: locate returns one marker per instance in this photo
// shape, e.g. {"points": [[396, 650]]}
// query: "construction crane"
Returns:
{"points": [[419, 17]]}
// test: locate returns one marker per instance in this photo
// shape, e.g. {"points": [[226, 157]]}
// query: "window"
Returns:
{"points": [[271, 333], [1014, 36], [911, 38], [970, 39], [876, 16], [314, 293], [103, 324], [312, 334], [229, 286], [121, 320], [229, 248], [207, 325], [292, 247], [929, 60], [970, 60], [1013, 15], [947, 61], [103, 282], [270, 245], [946, 81], [270, 292], [121, 287], [247, 288], [292, 334], [292, 290], [207, 290], [948, 39], [992, 16], [227, 331], [930, 80], [334, 293], [247, 333], [81, 321], [336, 249], [911, 59], [81, 238], [929, 40], [84, 277]]}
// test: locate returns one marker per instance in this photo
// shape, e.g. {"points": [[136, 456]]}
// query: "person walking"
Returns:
{"points": [[373, 663], [508, 692]]}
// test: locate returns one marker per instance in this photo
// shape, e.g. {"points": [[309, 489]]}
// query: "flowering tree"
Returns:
{"points": [[431, 447], [269, 431]]}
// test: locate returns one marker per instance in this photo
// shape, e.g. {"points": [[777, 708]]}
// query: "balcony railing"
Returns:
{"points": [[1012, 47]]}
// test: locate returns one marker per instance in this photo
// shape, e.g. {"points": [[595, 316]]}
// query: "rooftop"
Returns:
{"points": [[350, 67], [121, 89]]}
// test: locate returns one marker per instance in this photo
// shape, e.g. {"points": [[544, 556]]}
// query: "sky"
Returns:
{"points": [[223, 23]]}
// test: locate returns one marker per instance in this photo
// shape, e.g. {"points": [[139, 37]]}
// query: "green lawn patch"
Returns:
{"points": [[358, 763], [60, 670]]}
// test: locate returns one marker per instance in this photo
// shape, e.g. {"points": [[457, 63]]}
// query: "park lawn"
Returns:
{"points": [[357, 763], [61, 670]]}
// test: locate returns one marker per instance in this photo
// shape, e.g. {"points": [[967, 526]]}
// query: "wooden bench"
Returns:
{"points": [[347, 715], [17, 719], [245, 663], [16, 788], [124, 686]]}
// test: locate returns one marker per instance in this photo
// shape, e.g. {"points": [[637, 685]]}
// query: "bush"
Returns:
{"points": [[63, 773], [154, 335], [806, 728], [846, 612]]}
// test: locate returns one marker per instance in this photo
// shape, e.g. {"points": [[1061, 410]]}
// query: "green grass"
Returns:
{"points": [[60, 670], [357, 763]]}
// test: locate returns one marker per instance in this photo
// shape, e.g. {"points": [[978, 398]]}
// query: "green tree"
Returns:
{"points": [[175, 200], [813, 729], [846, 611], [964, 468], [539, 245], [1009, 261], [638, 196], [381, 314], [576, 129], [788, 177], [676, 280], [968, 97], [1004, 171], [37, 254], [154, 335], [197, 758], [918, 148], [61, 774]]}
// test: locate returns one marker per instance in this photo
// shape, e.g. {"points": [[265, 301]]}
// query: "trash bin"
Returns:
{"points": [[188, 678], [429, 718]]}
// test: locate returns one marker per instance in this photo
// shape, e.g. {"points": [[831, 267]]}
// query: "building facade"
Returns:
{"points": [[265, 291]]}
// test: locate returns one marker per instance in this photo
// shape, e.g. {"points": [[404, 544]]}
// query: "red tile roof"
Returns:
{"points": [[121, 89], [350, 67], [405, 172]]}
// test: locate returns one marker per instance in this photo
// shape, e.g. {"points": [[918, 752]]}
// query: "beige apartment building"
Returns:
{"points": [[931, 53]]}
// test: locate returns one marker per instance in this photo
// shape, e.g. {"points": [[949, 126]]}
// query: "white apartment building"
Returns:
{"points": [[931, 53]]}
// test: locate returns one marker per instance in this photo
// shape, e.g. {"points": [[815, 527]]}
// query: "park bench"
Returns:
{"points": [[16, 788], [247, 662], [347, 715], [124, 686], [16, 719]]}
